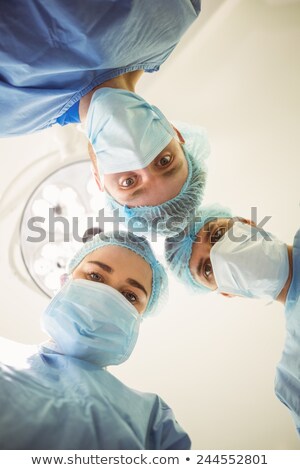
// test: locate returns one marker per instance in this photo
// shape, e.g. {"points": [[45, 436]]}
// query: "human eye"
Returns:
{"points": [[164, 161], [96, 277], [207, 269], [130, 296], [127, 182], [218, 233]]}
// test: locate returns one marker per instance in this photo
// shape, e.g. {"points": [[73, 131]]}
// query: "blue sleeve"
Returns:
{"points": [[287, 380], [197, 6], [164, 432]]}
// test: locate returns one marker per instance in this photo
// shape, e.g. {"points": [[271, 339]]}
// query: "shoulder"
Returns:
{"points": [[164, 431]]}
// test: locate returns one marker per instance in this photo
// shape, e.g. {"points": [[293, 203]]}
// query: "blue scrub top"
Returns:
{"points": [[287, 382], [52, 401], [54, 52]]}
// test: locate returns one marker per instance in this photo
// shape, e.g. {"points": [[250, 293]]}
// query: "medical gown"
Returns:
{"points": [[54, 52], [52, 401], [287, 382]]}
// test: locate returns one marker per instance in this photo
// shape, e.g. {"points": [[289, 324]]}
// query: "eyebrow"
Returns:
{"points": [[199, 267], [207, 234], [135, 283], [109, 269], [104, 266]]}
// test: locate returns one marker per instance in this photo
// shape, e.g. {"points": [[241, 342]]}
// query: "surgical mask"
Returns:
{"points": [[126, 132], [250, 262], [92, 321]]}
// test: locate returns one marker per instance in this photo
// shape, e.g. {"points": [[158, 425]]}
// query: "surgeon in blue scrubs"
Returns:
{"points": [[234, 257], [59, 395], [74, 61]]}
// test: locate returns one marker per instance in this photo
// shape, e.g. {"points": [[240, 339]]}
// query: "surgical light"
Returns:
{"points": [[55, 218]]}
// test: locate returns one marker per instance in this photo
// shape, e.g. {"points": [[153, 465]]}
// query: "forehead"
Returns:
{"points": [[123, 260], [210, 226]]}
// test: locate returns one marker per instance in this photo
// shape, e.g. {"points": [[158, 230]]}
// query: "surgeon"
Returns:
{"points": [[235, 257], [74, 61], [59, 394]]}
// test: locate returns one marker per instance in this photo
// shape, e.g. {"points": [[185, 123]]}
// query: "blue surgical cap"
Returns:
{"points": [[178, 249], [138, 245], [172, 216]]}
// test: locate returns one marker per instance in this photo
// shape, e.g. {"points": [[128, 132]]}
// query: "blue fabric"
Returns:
{"points": [[70, 117], [52, 53], [59, 402], [92, 320], [287, 382]]}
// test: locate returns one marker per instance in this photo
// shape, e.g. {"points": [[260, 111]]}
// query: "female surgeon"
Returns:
{"points": [[235, 257], [59, 394], [75, 61]]}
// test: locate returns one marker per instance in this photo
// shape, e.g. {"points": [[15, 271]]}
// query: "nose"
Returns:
{"points": [[146, 174], [111, 282]]}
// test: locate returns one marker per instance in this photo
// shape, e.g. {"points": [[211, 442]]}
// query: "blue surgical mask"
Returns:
{"points": [[92, 321], [250, 262], [126, 132]]}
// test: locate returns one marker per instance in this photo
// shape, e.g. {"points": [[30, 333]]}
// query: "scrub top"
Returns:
{"points": [[52, 401], [287, 382], [54, 52]]}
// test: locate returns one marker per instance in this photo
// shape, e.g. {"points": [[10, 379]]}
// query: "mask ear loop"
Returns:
{"points": [[99, 179], [63, 279], [95, 168], [180, 137]]}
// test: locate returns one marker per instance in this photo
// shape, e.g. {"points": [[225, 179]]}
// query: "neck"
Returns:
{"points": [[126, 81], [283, 294]]}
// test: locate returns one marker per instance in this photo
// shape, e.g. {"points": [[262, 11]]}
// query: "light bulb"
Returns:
{"points": [[42, 266], [49, 251], [52, 280], [41, 207], [51, 193]]}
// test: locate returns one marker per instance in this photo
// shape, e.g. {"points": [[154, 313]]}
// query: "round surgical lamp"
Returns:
{"points": [[54, 220]]}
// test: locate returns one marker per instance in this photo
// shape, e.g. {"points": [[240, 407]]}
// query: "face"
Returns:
{"points": [[200, 264], [159, 182], [120, 268]]}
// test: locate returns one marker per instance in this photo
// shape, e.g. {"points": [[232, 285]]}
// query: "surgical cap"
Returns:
{"points": [[178, 249], [138, 245], [172, 216]]}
